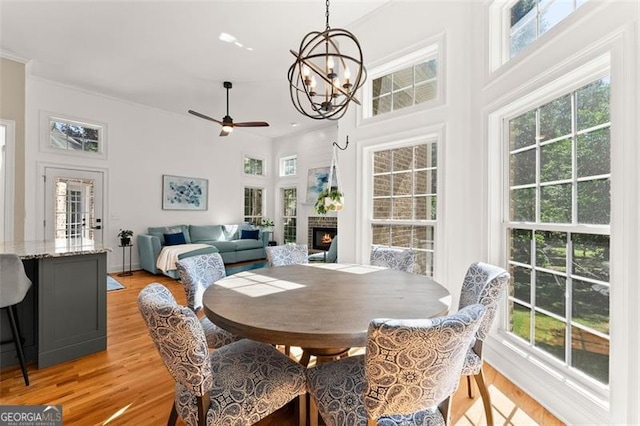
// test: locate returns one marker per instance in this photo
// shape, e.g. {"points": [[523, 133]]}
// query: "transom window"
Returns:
{"points": [[532, 18], [405, 87], [558, 228], [289, 214], [75, 136], [404, 200], [288, 166], [253, 205], [253, 166]]}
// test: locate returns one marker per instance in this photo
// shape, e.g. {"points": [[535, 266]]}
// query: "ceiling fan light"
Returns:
{"points": [[227, 129]]}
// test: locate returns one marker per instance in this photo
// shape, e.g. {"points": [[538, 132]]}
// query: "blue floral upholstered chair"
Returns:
{"points": [[197, 273], [406, 377], [238, 384], [288, 254], [399, 259], [483, 284]]}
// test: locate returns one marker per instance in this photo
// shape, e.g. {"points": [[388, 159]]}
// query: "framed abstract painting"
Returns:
{"points": [[184, 193], [317, 182]]}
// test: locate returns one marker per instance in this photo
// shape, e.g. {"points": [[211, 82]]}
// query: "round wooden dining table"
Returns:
{"points": [[322, 308]]}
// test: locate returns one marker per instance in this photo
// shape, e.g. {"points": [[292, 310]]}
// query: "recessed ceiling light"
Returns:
{"points": [[237, 43], [227, 37], [294, 124]]}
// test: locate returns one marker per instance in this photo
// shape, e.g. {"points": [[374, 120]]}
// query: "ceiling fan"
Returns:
{"points": [[227, 122]]}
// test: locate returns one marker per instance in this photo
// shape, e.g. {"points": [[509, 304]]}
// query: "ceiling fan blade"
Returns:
{"points": [[223, 133], [206, 117], [252, 124]]}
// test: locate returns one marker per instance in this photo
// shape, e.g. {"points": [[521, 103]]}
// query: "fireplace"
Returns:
{"points": [[322, 237]]}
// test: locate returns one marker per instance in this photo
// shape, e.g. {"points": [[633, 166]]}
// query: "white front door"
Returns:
{"points": [[73, 205]]}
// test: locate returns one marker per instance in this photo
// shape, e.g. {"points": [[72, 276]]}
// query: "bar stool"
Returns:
{"points": [[14, 285]]}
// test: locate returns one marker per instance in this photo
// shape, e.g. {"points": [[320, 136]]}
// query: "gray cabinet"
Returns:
{"points": [[72, 307]]}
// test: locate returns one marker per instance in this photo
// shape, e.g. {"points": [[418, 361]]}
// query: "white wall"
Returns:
{"points": [[143, 144], [313, 149]]}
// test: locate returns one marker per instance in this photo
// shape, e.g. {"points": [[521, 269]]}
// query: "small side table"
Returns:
{"points": [[124, 272]]}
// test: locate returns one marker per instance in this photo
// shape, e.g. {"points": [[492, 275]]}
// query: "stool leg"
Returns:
{"points": [[13, 313]]}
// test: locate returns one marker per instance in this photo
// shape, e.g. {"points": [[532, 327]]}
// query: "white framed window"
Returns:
{"points": [[253, 165], [254, 205], [553, 196], [516, 24], [404, 191], [72, 136], [558, 228], [410, 78], [289, 166], [289, 215]]}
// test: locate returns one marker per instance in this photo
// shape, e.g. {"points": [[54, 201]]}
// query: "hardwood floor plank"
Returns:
{"points": [[128, 384]]}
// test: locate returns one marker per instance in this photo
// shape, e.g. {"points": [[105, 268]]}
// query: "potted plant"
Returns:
{"points": [[329, 200], [125, 237], [267, 224]]}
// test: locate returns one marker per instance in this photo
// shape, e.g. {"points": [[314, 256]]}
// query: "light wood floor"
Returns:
{"points": [[128, 385]]}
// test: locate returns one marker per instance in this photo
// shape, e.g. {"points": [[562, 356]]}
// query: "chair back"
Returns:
{"points": [[332, 253], [413, 365], [14, 283], [288, 254], [394, 258], [178, 337], [484, 284], [197, 273]]}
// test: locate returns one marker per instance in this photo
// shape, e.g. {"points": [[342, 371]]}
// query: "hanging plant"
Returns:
{"points": [[329, 200]]}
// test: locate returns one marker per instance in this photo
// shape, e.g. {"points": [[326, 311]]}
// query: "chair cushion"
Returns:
{"points": [[247, 244], [200, 233], [338, 387], [250, 381], [224, 246]]}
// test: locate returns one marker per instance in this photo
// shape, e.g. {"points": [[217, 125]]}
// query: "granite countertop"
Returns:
{"points": [[59, 248]]}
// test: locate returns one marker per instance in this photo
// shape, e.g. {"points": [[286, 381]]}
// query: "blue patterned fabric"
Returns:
{"points": [[288, 254], [482, 284], [398, 259], [246, 380], [410, 367], [197, 273]]}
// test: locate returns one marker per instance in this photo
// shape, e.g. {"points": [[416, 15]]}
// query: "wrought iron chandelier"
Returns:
{"points": [[317, 88]]}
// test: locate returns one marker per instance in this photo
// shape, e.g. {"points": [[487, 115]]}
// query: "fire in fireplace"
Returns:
{"points": [[322, 238]]}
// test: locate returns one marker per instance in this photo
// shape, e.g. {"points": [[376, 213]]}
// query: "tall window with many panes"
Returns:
{"points": [[558, 229], [289, 214], [404, 200], [253, 205]]}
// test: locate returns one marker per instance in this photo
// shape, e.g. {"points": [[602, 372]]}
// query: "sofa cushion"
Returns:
{"points": [[174, 239], [247, 244], [249, 234], [224, 246], [159, 232], [201, 233]]}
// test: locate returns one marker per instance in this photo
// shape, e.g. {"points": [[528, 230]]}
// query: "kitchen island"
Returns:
{"points": [[63, 316]]}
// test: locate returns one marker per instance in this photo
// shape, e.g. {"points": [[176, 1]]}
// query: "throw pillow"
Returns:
{"points": [[249, 235], [174, 239]]}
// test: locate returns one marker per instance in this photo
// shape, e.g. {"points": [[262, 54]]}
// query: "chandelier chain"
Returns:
{"points": [[327, 14]]}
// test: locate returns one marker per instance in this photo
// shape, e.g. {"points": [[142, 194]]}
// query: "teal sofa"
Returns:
{"points": [[223, 239]]}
